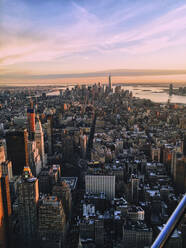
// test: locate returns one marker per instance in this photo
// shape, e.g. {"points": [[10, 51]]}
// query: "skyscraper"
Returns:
{"points": [[184, 145], [63, 192], [51, 226], [180, 174], [170, 89], [40, 141], [35, 161], [50, 134], [28, 196], [6, 169], [134, 188], [2, 228], [31, 122], [110, 83], [5, 210], [2, 153], [17, 150]]}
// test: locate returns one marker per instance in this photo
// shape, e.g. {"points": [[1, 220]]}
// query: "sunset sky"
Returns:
{"points": [[43, 37]]}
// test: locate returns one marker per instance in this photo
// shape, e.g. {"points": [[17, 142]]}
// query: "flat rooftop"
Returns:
{"points": [[71, 181]]}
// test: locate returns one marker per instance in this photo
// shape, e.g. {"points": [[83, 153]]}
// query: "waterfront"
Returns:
{"points": [[153, 93]]}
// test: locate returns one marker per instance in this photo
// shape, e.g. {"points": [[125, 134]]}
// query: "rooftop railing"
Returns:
{"points": [[171, 224]]}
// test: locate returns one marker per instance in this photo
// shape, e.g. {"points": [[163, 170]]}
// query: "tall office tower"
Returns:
{"points": [[39, 138], [63, 193], [83, 144], [155, 154], [50, 134], [6, 169], [2, 153], [44, 181], [180, 174], [110, 83], [91, 136], [184, 145], [17, 149], [99, 184], [99, 232], [175, 156], [68, 146], [5, 210], [170, 89], [51, 225], [31, 123], [35, 161], [5, 165], [136, 234], [134, 188], [28, 196], [2, 227]]}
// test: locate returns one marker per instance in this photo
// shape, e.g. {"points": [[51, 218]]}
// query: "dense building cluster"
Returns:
{"points": [[91, 166]]}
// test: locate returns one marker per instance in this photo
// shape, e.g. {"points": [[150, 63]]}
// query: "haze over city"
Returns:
{"points": [[92, 124], [76, 41]]}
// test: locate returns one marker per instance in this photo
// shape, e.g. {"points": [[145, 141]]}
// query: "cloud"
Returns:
{"points": [[115, 73], [81, 31], [167, 30]]}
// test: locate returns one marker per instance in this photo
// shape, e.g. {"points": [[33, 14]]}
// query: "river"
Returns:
{"points": [[153, 93]]}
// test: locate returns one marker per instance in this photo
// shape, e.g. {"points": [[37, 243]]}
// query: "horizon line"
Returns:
{"points": [[101, 73]]}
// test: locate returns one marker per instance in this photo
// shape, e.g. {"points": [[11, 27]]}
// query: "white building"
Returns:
{"points": [[99, 184], [35, 161], [39, 138]]}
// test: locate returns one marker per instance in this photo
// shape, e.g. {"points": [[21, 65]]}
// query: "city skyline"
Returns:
{"points": [[53, 40]]}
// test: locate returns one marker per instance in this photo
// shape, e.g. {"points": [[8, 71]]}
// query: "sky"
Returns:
{"points": [[52, 39]]}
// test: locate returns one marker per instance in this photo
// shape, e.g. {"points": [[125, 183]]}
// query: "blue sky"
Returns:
{"points": [[64, 36]]}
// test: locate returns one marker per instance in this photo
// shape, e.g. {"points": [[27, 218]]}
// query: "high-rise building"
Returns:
{"points": [[184, 145], [2, 153], [99, 232], [50, 134], [100, 184], [6, 169], [175, 156], [51, 226], [39, 138], [48, 177], [5, 210], [136, 234], [2, 228], [134, 188], [35, 161], [17, 149], [180, 175], [45, 184], [110, 83], [68, 146], [170, 89], [61, 92], [63, 192], [91, 226], [31, 122], [28, 196], [155, 154], [83, 144]]}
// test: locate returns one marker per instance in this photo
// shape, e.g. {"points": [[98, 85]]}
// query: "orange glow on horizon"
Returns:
{"points": [[175, 79]]}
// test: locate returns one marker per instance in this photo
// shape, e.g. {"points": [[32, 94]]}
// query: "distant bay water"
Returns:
{"points": [[153, 93]]}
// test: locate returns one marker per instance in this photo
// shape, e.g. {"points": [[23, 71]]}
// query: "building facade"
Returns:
{"points": [[51, 226], [100, 184], [28, 196], [17, 150]]}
